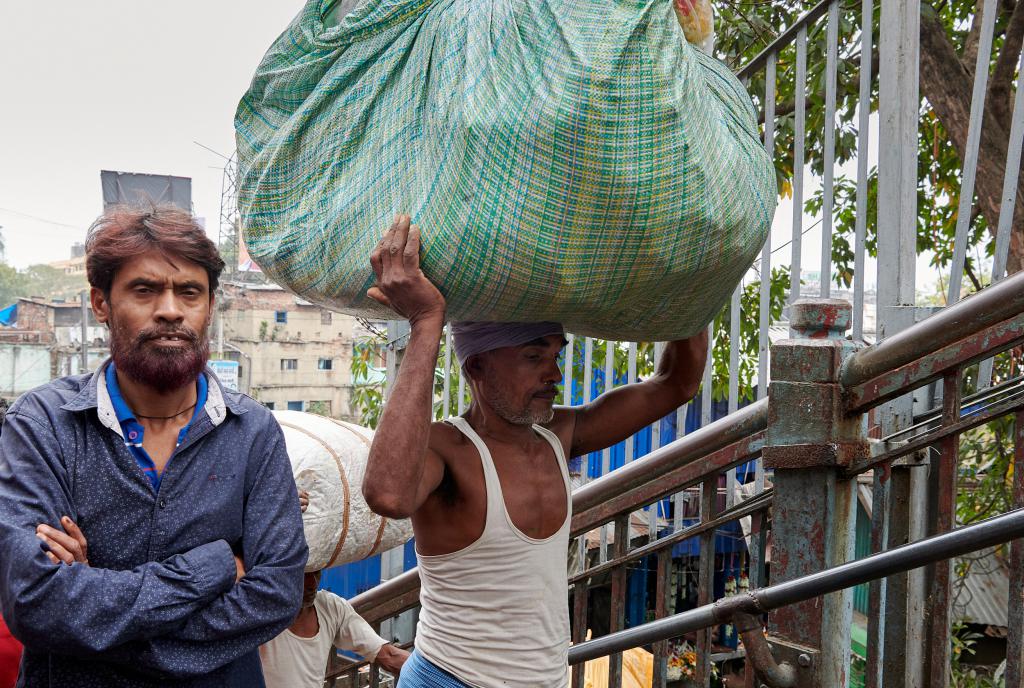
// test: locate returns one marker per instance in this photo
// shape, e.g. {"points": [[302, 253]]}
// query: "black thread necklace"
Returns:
{"points": [[173, 415]]}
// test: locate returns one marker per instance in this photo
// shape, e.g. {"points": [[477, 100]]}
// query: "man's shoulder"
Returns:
{"points": [[50, 397], [248, 404], [446, 440], [332, 609], [328, 598]]}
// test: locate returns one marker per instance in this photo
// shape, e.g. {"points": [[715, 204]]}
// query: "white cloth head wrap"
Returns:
{"points": [[472, 338]]}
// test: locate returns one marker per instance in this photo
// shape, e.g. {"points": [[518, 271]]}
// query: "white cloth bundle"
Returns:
{"points": [[329, 461]]}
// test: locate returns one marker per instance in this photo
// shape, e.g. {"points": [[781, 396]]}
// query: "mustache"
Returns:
{"points": [[157, 332]]}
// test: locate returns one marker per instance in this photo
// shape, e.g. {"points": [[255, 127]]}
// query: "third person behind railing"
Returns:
{"points": [[488, 492]]}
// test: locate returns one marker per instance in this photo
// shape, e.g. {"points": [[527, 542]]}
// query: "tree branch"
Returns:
{"points": [[969, 271], [946, 85], [969, 55], [999, 96]]}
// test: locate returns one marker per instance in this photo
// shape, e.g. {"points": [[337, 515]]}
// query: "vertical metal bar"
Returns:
{"points": [[659, 351], [898, 109], [652, 513], [606, 455], [446, 389], [374, 676], [1015, 611], [1008, 205], [567, 374], [798, 161], [706, 577], [662, 589], [462, 391], [579, 627], [588, 372], [903, 659], [940, 601], [828, 191], [863, 142], [963, 220], [876, 589], [705, 394], [618, 598], [678, 499], [898, 624], [1009, 202], [630, 379], [588, 395], [764, 325], [766, 252], [734, 379]]}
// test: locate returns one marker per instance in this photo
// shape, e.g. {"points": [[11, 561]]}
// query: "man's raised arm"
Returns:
{"points": [[402, 471], [620, 413]]}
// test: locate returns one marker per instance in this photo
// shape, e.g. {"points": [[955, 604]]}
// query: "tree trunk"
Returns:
{"points": [[947, 85]]}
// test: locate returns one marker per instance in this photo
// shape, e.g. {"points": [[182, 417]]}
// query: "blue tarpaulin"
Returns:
{"points": [[9, 315]]}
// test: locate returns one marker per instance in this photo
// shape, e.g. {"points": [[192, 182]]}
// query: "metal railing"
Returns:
{"points": [[913, 470]]}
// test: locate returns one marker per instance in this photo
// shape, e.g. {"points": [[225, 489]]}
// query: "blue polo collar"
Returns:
{"points": [[125, 414]]}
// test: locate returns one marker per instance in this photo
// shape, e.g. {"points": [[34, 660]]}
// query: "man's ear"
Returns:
{"points": [[100, 305], [475, 367]]}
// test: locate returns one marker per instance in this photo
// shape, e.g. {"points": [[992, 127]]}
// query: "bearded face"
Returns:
{"points": [[158, 311], [163, 357], [517, 410], [519, 383]]}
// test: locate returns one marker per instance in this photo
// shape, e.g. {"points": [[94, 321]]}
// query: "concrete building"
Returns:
{"points": [[75, 265], [45, 343], [291, 354]]}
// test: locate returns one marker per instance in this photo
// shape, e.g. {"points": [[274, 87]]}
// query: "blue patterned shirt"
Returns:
{"points": [[133, 432], [157, 604]]}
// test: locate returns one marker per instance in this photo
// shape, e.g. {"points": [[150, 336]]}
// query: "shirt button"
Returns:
{"points": [[132, 435], [163, 503]]}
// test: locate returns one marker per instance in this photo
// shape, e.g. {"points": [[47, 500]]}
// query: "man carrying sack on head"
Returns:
{"points": [[488, 493]]}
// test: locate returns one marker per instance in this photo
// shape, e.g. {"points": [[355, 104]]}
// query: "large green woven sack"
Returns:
{"points": [[567, 160]]}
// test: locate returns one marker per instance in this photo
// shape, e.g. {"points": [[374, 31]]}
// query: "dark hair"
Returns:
{"points": [[124, 232]]}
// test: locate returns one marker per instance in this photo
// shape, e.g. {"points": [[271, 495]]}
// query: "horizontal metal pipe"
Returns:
{"points": [[960, 354], [784, 39], [760, 502], [747, 421], [992, 305], [993, 531]]}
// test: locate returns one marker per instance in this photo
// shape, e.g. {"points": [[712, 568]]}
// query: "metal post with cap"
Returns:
{"points": [[808, 443]]}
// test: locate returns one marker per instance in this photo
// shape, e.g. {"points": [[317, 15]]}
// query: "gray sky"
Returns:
{"points": [[129, 85], [122, 85]]}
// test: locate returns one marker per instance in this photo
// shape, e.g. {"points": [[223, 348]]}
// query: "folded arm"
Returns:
{"points": [[266, 599], [80, 609]]}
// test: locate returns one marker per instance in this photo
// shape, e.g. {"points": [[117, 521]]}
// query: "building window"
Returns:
{"points": [[321, 408], [269, 405], [325, 317], [289, 364], [325, 364], [281, 317], [294, 405]]}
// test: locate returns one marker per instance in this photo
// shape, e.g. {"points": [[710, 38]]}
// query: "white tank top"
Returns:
{"points": [[496, 613]]}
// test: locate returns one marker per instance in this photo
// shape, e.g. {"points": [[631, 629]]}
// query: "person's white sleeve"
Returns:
{"points": [[351, 632]]}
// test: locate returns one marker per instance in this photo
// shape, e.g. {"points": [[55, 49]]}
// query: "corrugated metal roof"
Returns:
{"points": [[983, 596]]}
